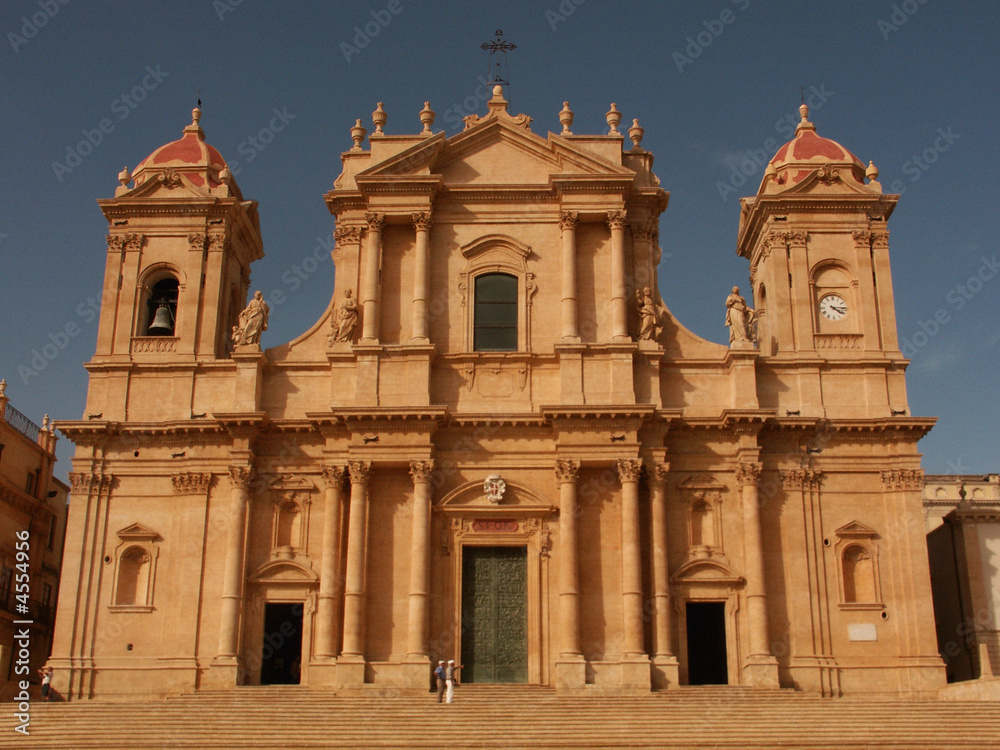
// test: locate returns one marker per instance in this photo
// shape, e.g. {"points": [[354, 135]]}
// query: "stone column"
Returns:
{"points": [[665, 663], [354, 592], [571, 670], [619, 302], [628, 473], [570, 326], [369, 289], [232, 581], [761, 667], [326, 612], [421, 292], [420, 563]]}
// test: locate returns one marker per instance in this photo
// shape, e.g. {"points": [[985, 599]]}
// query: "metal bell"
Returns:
{"points": [[163, 324]]}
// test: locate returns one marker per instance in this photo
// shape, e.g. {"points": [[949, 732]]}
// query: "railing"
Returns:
{"points": [[21, 423], [141, 344]]}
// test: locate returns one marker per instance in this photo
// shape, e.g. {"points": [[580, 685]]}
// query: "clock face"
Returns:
{"points": [[833, 307]]}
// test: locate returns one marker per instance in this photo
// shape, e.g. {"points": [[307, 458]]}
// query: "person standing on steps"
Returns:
{"points": [[449, 678], [46, 675], [439, 674]]}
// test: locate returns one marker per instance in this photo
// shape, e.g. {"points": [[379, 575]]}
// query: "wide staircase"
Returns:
{"points": [[296, 718]]}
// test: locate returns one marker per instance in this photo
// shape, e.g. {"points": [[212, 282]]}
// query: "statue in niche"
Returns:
{"points": [[347, 319], [739, 318], [252, 321], [649, 329]]}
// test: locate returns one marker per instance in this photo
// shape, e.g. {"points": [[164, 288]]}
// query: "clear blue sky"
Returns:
{"points": [[712, 83]]}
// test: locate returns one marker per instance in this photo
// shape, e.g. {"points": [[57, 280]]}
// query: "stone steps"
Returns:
{"points": [[296, 718]]}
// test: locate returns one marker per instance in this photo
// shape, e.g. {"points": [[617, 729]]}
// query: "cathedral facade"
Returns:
{"points": [[497, 444]]}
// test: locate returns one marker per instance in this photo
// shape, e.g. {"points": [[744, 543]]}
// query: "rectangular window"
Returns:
{"points": [[495, 324], [52, 534]]}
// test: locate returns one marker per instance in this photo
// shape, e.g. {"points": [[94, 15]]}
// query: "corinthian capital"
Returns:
{"points": [[568, 219], [375, 221], [359, 471], [567, 471], [748, 472], [420, 471], [422, 221], [333, 476], [629, 469], [616, 219], [241, 477]]}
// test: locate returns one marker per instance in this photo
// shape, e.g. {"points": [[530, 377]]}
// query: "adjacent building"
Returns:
{"points": [[33, 508], [497, 444]]}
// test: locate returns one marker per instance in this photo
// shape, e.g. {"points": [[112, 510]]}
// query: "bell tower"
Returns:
{"points": [[816, 238], [180, 243]]}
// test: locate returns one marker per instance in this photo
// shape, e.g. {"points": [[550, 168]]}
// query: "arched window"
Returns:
{"points": [[133, 577], [495, 322], [161, 317]]}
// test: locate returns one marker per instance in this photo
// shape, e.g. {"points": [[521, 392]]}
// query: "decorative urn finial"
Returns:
{"points": [[124, 177], [358, 134], [378, 118], [613, 117], [566, 118], [427, 118], [635, 133]]}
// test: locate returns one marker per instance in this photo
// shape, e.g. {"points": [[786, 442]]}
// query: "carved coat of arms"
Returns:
{"points": [[494, 487]]}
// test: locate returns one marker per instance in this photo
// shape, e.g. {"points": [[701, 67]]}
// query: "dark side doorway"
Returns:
{"points": [[281, 649], [706, 643]]}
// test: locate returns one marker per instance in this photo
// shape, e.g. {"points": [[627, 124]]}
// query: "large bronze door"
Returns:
{"points": [[494, 619]]}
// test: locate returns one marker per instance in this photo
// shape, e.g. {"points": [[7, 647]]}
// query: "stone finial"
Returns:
{"points": [[3, 388], [872, 172], [566, 118], [497, 102], [196, 115], [635, 133], [358, 134], [124, 177], [378, 119], [427, 118], [804, 124], [613, 117], [45, 423], [225, 175]]}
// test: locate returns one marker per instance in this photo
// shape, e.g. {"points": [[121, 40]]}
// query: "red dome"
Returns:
{"points": [[806, 152], [198, 161]]}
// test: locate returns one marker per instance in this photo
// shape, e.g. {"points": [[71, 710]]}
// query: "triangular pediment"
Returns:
{"points": [[495, 151], [702, 482], [856, 530], [137, 532]]}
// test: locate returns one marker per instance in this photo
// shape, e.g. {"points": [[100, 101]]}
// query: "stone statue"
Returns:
{"points": [[347, 319], [739, 317], [648, 316], [253, 321]]}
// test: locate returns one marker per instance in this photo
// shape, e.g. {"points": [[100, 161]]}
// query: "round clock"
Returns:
{"points": [[833, 307]]}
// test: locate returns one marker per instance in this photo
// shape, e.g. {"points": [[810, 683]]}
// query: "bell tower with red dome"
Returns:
{"points": [[181, 240], [816, 238]]}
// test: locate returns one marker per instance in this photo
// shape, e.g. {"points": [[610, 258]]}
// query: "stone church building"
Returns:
{"points": [[497, 444]]}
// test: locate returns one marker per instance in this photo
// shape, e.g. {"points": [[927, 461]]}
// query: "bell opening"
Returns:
{"points": [[162, 308]]}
